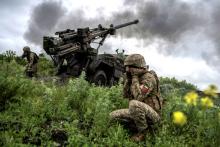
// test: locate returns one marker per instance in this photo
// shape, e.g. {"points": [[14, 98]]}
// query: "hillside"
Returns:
{"points": [[45, 113]]}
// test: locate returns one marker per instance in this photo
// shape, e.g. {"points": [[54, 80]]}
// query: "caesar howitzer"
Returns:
{"points": [[74, 46]]}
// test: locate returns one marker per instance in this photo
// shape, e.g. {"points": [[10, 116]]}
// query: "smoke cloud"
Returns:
{"points": [[213, 31], [168, 19], [173, 21], [44, 18]]}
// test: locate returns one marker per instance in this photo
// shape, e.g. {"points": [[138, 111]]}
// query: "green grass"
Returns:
{"points": [[35, 112]]}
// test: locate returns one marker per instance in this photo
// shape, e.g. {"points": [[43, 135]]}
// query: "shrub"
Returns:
{"points": [[77, 114]]}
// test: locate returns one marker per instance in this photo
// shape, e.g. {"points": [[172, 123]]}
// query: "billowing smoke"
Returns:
{"points": [[213, 32], [168, 19], [44, 18], [76, 19], [173, 21]]}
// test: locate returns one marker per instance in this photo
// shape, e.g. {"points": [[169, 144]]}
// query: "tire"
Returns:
{"points": [[100, 78]]}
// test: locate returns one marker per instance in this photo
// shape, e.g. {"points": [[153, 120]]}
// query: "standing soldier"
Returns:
{"points": [[141, 87], [32, 58]]}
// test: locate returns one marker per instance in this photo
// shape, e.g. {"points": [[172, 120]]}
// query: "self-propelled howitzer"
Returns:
{"points": [[74, 46]]}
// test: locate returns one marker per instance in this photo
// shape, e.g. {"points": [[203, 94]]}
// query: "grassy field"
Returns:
{"points": [[44, 113]]}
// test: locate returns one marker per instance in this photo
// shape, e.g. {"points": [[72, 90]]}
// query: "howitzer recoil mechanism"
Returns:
{"points": [[74, 46]]}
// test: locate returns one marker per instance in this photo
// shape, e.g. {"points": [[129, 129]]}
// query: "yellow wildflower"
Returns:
{"points": [[179, 118], [191, 98], [212, 90], [206, 102]]}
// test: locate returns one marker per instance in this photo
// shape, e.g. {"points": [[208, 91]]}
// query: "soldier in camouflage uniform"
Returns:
{"points": [[32, 58], [141, 87]]}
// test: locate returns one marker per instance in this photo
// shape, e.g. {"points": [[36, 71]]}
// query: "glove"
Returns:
{"points": [[136, 71]]}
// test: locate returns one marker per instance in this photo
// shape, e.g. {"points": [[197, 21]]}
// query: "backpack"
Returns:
{"points": [[159, 98], [36, 57]]}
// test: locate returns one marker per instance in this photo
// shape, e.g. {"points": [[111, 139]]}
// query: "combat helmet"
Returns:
{"points": [[136, 60], [26, 49]]}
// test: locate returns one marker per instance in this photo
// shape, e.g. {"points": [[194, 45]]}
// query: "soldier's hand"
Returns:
{"points": [[136, 71]]}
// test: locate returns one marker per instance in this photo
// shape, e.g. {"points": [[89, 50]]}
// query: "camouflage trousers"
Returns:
{"points": [[32, 71], [139, 113]]}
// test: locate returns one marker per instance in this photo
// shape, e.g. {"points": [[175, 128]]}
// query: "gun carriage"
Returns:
{"points": [[73, 47]]}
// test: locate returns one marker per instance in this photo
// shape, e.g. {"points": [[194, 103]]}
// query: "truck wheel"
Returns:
{"points": [[100, 78]]}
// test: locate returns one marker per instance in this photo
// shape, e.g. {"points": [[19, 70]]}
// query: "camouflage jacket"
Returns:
{"points": [[143, 88], [32, 59]]}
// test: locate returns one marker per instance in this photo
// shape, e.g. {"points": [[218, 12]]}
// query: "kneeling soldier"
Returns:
{"points": [[141, 86]]}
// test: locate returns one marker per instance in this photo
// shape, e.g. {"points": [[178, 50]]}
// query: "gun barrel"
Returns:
{"points": [[126, 24]]}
